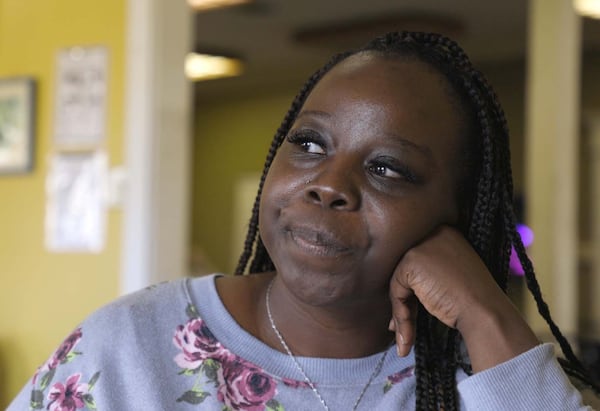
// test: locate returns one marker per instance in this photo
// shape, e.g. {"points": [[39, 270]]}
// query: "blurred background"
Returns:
{"points": [[125, 160]]}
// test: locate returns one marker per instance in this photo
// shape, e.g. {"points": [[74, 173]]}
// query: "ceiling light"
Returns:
{"points": [[589, 8], [200, 5], [199, 67]]}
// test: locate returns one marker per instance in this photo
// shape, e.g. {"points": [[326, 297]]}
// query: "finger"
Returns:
{"points": [[403, 317]]}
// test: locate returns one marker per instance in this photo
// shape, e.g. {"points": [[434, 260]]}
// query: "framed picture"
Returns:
{"points": [[17, 103]]}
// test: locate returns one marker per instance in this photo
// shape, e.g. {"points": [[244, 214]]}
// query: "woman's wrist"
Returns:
{"points": [[495, 333]]}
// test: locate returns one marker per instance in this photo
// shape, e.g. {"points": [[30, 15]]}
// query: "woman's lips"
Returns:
{"points": [[318, 242]]}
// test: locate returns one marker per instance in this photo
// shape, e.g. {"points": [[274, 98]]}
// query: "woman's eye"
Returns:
{"points": [[308, 142], [384, 171], [394, 172], [311, 147]]}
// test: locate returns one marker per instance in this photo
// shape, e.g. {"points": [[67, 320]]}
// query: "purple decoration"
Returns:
{"points": [[527, 236]]}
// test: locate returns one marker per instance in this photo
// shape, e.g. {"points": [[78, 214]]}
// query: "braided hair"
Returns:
{"points": [[487, 217]]}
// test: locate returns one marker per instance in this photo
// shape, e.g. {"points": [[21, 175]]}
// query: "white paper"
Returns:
{"points": [[81, 96], [76, 189]]}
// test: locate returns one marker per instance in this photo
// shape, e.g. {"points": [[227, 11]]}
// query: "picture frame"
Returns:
{"points": [[17, 123]]}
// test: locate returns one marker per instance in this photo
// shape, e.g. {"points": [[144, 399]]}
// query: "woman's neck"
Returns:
{"points": [[332, 331]]}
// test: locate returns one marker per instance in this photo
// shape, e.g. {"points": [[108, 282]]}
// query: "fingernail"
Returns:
{"points": [[392, 325], [400, 348]]}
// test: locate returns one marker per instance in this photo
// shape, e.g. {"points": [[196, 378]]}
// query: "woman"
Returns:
{"points": [[383, 223]]}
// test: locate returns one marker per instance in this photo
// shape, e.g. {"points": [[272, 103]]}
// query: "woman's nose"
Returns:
{"points": [[335, 189]]}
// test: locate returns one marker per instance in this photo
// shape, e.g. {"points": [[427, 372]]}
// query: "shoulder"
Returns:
{"points": [[161, 303], [532, 380], [143, 317], [128, 340]]}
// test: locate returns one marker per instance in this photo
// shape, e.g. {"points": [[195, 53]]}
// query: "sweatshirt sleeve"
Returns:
{"points": [[119, 358], [61, 379], [531, 381]]}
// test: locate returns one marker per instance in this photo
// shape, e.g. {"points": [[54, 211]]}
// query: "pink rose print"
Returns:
{"points": [[197, 343], [61, 353], [68, 396], [295, 383], [397, 378], [243, 386]]}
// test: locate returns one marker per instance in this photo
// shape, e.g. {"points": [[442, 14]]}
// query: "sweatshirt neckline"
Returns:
{"points": [[202, 294]]}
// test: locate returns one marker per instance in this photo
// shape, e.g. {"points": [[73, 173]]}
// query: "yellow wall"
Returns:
{"points": [[44, 295], [232, 139]]}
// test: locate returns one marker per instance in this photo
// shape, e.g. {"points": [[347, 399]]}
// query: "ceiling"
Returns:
{"points": [[284, 41]]}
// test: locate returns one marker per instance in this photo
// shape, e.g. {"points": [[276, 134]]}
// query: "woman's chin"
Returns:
{"points": [[322, 289]]}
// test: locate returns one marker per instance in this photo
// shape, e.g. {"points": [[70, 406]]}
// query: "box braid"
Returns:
{"points": [[485, 194]]}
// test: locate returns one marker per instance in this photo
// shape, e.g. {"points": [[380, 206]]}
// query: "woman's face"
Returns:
{"points": [[368, 169]]}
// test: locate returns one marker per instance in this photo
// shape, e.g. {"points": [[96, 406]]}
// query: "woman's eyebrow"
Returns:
{"points": [[314, 113], [405, 142]]}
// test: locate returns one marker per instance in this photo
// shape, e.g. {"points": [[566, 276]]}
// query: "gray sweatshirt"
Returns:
{"points": [[174, 346]]}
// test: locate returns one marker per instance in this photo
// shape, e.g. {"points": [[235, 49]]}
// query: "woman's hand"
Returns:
{"points": [[453, 284]]}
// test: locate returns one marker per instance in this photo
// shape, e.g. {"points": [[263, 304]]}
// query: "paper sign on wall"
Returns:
{"points": [[76, 189], [81, 96]]}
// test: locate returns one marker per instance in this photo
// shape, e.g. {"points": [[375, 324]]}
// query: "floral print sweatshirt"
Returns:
{"points": [[174, 346]]}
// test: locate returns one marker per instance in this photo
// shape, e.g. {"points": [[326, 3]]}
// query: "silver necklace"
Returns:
{"points": [[308, 381]]}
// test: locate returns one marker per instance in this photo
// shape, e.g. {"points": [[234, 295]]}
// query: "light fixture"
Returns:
{"points": [[589, 8], [200, 5], [199, 67]]}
